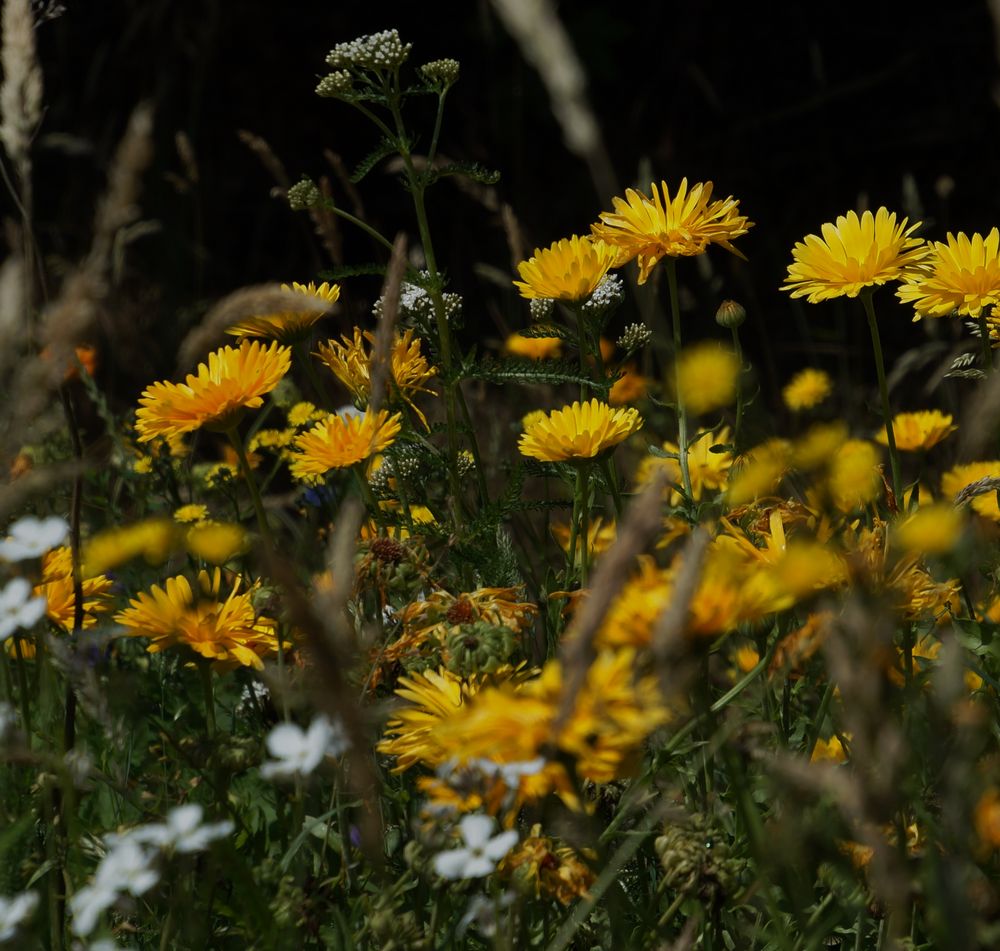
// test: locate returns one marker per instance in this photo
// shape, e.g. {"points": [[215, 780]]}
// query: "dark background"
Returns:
{"points": [[800, 110]]}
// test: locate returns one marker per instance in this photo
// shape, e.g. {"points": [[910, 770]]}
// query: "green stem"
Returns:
{"points": [[583, 476], [682, 431], [432, 150], [366, 493], [738, 349], [358, 223], [883, 389], [208, 692], [611, 477], [984, 337], [817, 724], [574, 526], [251, 482], [22, 687]]}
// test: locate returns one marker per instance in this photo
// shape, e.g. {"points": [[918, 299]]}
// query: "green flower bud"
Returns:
{"points": [[335, 85], [730, 314], [479, 647], [633, 337], [304, 195], [441, 72]]}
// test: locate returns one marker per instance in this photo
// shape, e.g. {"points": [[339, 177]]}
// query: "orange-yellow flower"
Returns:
{"points": [[580, 431], [291, 325], [808, 388], [961, 276], [534, 348], [853, 254], [649, 229], [340, 441], [919, 431], [233, 380], [567, 270]]}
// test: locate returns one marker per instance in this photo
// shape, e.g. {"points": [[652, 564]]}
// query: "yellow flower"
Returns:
{"points": [[854, 478], [353, 366], [534, 348], [819, 445], [808, 388], [629, 387], [959, 477], [57, 588], [829, 751], [227, 632], [580, 431], [961, 276], [660, 226], [292, 325], [191, 513], [708, 469], [153, 538], [215, 542], [764, 467], [918, 431], [707, 377], [301, 414], [987, 819], [600, 536], [568, 270], [853, 254], [337, 442], [539, 866], [214, 397]]}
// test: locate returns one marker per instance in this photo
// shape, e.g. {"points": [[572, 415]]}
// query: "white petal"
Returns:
{"points": [[478, 867], [185, 818], [476, 829], [451, 863], [500, 845], [286, 740]]}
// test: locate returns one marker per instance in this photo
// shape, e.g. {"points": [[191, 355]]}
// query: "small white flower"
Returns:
{"points": [[183, 831], [482, 912], [481, 853], [32, 537], [18, 608], [348, 411], [14, 912], [298, 752], [252, 697], [127, 867], [88, 904]]}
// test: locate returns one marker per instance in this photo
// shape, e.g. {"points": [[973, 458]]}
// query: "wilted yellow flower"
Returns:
{"points": [[853, 254], [660, 226], [215, 396], [918, 431], [58, 590], [338, 442], [227, 632], [541, 867], [579, 431], [707, 376], [707, 467], [629, 387], [291, 325], [534, 348], [195, 512], [854, 478], [959, 477], [808, 388], [960, 276], [568, 270], [353, 365]]}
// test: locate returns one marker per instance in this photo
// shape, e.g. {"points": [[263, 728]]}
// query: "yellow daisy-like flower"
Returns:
{"points": [[708, 469], [568, 270], [353, 364], [233, 380], [227, 632], [580, 431], [707, 377], [57, 588], [534, 348], [931, 530], [193, 513], [338, 442], [291, 325], [958, 478], [301, 414], [919, 431], [853, 254], [961, 276], [808, 388], [660, 226], [854, 478]]}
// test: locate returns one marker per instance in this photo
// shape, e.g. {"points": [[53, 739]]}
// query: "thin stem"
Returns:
{"points": [[432, 150], [22, 687], [817, 724], [682, 431], [738, 349], [357, 222], [583, 486], [208, 691], [984, 342], [248, 478], [883, 389]]}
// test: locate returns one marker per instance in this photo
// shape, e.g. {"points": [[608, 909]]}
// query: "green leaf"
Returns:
{"points": [[546, 330], [515, 370], [384, 149], [473, 170]]}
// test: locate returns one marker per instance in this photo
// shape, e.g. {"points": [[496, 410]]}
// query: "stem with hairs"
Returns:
{"points": [[682, 429], [866, 299]]}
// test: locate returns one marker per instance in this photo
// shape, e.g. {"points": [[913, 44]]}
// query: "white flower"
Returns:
{"points": [[482, 912], [481, 852], [32, 537], [510, 773], [88, 904], [183, 831], [18, 608], [298, 752], [14, 912], [127, 867]]}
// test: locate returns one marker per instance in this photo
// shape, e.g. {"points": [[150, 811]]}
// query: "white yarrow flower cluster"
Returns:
{"points": [[32, 537], [298, 752], [130, 866], [14, 912], [481, 852], [18, 609], [383, 50], [608, 294]]}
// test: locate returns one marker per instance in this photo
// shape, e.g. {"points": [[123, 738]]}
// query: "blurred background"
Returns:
{"points": [[802, 111]]}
